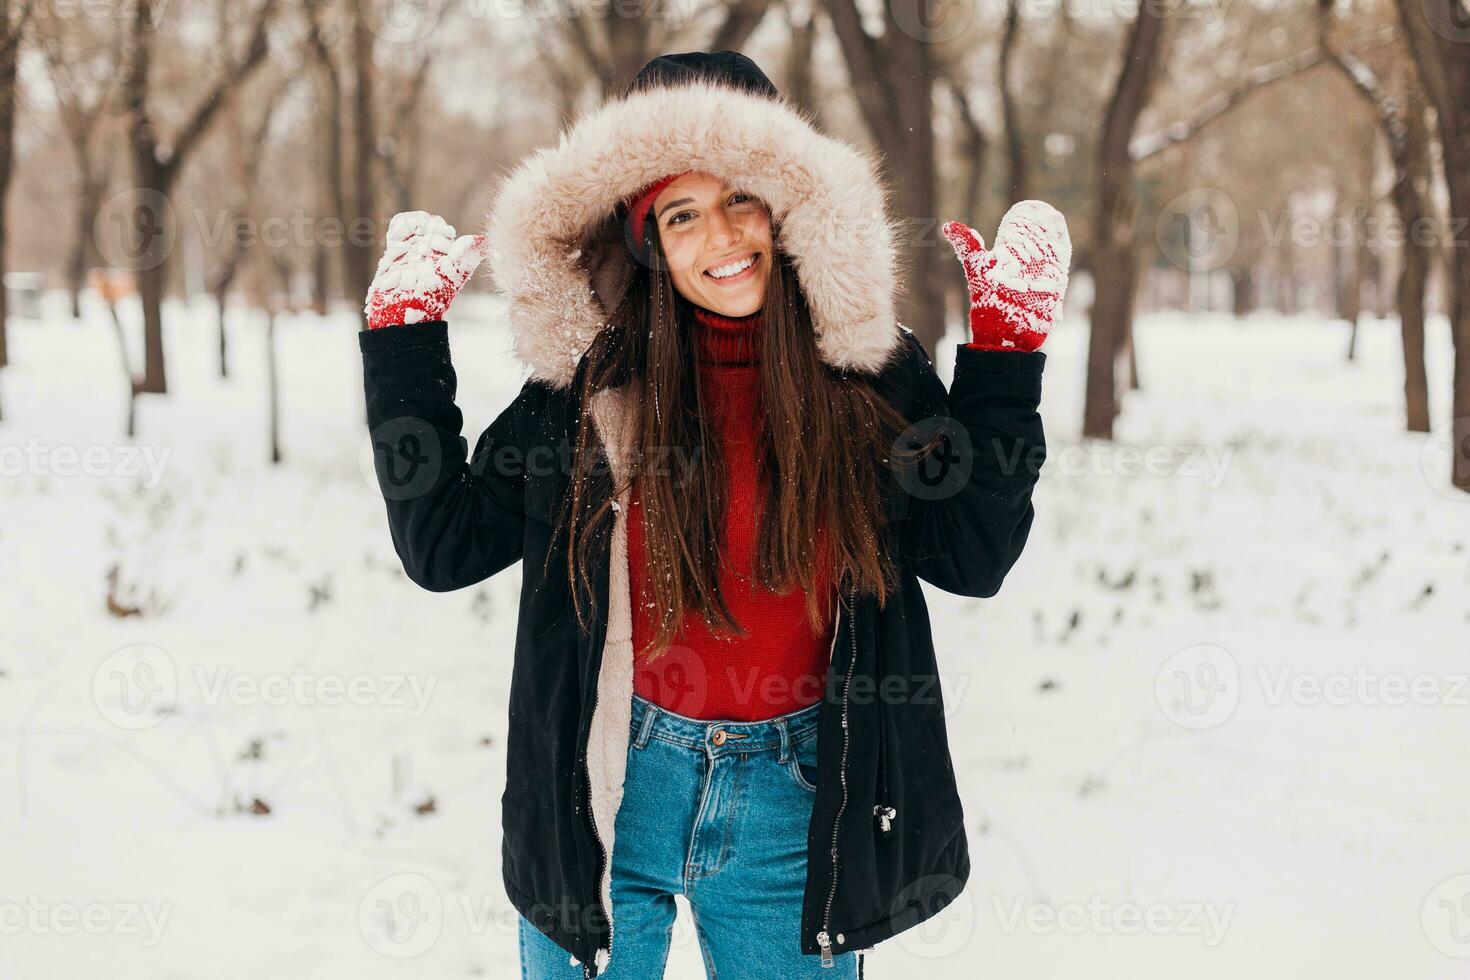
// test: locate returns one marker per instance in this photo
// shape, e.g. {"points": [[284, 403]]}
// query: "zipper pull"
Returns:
{"points": [[885, 815], [825, 941]]}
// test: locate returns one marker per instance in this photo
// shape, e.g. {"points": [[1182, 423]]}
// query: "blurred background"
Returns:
{"points": [[1212, 726]]}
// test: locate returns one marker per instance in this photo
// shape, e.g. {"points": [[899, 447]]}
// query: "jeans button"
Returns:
{"points": [[719, 736]]}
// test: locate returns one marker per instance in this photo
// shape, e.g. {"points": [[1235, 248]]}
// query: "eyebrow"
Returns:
{"points": [[675, 204]]}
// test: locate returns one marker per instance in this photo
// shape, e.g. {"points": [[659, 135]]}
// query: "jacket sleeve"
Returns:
{"points": [[454, 521], [970, 506]]}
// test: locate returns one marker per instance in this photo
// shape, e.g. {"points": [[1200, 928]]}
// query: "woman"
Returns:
{"points": [[730, 467]]}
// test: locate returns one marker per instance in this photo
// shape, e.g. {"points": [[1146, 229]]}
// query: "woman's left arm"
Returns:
{"points": [[970, 510]]}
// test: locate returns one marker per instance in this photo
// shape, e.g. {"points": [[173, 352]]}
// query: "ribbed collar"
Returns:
{"points": [[727, 340]]}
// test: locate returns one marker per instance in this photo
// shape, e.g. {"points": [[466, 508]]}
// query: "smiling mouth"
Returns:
{"points": [[737, 271]]}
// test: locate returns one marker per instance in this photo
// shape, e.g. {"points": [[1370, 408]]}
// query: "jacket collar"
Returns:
{"points": [[557, 243]]}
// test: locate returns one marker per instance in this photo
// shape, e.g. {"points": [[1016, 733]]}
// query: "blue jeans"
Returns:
{"points": [[716, 811]]}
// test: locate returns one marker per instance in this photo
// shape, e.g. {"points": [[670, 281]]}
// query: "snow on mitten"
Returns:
{"points": [[421, 271], [1016, 288]]}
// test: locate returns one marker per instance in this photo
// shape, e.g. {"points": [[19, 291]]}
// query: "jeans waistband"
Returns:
{"points": [[719, 737]]}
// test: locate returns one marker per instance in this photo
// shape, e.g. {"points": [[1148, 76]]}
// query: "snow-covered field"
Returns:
{"points": [[1215, 725]]}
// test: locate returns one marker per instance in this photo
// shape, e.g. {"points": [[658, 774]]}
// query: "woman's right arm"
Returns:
{"points": [[455, 519]]}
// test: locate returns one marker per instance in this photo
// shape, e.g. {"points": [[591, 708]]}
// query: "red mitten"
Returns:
{"points": [[1016, 288], [422, 270]]}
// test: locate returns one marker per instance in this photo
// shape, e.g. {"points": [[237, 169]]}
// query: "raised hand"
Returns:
{"points": [[421, 271], [1016, 288]]}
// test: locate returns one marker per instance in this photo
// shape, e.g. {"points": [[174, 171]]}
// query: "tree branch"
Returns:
{"points": [[1217, 107], [866, 67], [198, 124], [741, 19]]}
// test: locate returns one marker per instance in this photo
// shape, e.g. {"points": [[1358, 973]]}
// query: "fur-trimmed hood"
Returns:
{"points": [[556, 238]]}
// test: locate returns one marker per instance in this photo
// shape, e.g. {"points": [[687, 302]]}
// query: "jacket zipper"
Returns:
{"points": [[881, 810], [587, 968], [824, 938]]}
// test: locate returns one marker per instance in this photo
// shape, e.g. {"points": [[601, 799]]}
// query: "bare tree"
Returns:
{"points": [[330, 144], [245, 182], [612, 48], [1010, 113], [802, 30], [83, 68], [1114, 255], [893, 79], [14, 17], [1435, 31], [275, 273], [400, 150], [1401, 120], [157, 162], [347, 58]]}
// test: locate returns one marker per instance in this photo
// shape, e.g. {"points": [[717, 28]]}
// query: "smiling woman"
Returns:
{"points": [[694, 269], [717, 241]]}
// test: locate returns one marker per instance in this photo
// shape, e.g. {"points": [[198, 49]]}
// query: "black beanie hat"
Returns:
{"points": [[728, 68], [724, 67]]}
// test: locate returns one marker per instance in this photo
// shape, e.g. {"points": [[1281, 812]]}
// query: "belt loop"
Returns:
{"points": [[649, 715], [785, 741]]}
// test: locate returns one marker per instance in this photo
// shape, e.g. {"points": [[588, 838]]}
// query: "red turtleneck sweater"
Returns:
{"points": [[780, 664]]}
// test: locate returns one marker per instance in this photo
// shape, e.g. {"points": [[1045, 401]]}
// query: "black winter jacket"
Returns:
{"points": [[887, 846]]}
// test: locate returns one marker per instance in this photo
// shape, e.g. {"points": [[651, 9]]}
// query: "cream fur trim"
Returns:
{"points": [[614, 414], [824, 194]]}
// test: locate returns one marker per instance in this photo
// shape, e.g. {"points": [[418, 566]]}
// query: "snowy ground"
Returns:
{"points": [[1214, 725]]}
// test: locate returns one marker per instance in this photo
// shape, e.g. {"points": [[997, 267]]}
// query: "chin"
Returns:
{"points": [[728, 308]]}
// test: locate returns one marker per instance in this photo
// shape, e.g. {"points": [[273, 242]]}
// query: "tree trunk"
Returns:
{"points": [[1018, 173], [273, 383], [157, 164], [1412, 179], [148, 243], [359, 249], [130, 381], [8, 63], [893, 81], [1348, 275], [1433, 29], [1242, 291], [88, 201], [918, 193], [1115, 262]]}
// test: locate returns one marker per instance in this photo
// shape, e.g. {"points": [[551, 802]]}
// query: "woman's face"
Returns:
{"points": [[717, 240]]}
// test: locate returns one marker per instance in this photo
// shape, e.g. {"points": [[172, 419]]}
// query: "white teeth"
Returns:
{"points": [[726, 271]]}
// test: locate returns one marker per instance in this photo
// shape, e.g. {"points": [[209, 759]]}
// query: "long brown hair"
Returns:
{"points": [[826, 441]]}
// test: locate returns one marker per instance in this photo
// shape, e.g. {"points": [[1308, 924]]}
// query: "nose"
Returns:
{"points": [[721, 229]]}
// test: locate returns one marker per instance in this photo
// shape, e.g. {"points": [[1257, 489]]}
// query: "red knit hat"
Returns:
{"points": [[640, 204]]}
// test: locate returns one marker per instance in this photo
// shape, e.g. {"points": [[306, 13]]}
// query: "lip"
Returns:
{"points": [[739, 277]]}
